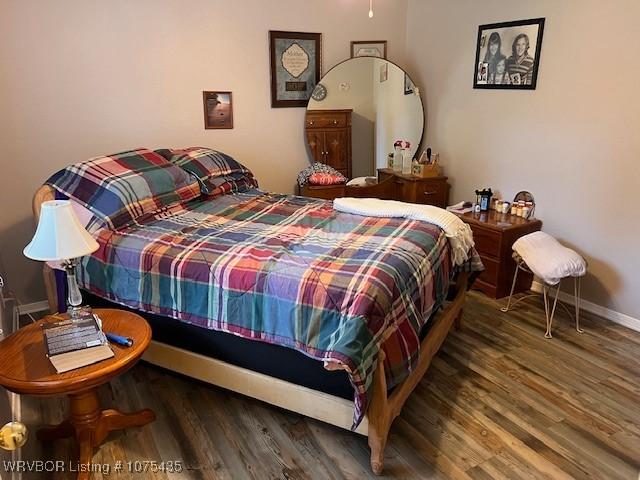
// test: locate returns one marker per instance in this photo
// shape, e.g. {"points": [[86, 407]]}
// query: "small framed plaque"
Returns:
{"points": [[295, 67], [218, 110], [369, 48]]}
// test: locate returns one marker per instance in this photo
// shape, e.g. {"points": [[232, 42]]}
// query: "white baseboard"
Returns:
{"points": [[34, 307], [616, 317]]}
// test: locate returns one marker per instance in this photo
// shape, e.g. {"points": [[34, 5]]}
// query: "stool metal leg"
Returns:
{"points": [[576, 290], [549, 312], [513, 287]]}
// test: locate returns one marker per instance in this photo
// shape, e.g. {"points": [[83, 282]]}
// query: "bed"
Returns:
{"points": [[237, 285]]}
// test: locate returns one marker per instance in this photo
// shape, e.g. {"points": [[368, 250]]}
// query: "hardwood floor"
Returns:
{"points": [[499, 401]]}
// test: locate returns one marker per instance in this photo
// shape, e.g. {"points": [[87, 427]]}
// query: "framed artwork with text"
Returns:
{"points": [[295, 67]]}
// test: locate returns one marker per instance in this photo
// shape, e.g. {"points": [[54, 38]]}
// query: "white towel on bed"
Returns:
{"points": [[548, 259], [459, 233]]}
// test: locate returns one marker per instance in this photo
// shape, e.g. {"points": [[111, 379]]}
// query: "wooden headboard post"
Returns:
{"points": [[43, 194]]}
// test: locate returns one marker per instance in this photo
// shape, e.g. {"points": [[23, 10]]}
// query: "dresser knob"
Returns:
{"points": [[430, 193]]}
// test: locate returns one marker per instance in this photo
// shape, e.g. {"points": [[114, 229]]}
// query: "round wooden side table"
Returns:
{"points": [[25, 369]]}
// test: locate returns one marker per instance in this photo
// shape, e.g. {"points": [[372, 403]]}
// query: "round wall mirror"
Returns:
{"points": [[360, 108]]}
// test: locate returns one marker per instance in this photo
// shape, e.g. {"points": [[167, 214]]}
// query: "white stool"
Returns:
{"points": [[542, 255]]}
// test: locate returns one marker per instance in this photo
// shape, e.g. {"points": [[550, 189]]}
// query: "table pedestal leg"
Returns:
{"points": [[91, 425]]}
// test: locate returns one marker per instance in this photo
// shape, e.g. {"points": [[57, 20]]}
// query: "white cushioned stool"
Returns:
{"points": [[542, 255]]}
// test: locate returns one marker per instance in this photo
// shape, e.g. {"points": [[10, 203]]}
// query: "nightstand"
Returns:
{"points": [[25, 369], [494, 234]]}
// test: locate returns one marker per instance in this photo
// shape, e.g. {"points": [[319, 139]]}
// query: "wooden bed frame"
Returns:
{"points": [[383, 407]]}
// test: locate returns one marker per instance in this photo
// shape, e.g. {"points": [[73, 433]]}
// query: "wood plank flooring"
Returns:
{"points": [[499, 401]]}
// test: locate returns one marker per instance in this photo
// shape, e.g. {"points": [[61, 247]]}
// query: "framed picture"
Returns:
{"points": [[295, 67], [384, 72], [408, 85], [369, 48], [508, 55], [218, 110]]}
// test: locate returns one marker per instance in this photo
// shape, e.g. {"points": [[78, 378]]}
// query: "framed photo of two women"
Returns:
{"points": [[508, 55]]}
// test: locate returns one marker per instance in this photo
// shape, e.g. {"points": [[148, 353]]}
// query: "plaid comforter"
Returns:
{"points": [[284, 270]]}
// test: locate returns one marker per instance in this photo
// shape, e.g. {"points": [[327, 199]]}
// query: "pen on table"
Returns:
{"points": [[119, 339]]}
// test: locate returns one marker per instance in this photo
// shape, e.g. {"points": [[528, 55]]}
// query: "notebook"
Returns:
{"points": [[72, 344]]}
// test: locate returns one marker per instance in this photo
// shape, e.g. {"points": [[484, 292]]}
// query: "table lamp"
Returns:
{"points": [[61, 237]]}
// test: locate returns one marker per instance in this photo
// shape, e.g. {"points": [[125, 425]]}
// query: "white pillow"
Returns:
{"points": [[548, 259], [361, 181]]}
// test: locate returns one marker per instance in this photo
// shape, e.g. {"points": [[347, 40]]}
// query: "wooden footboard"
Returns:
{"points": [[383, 408]]}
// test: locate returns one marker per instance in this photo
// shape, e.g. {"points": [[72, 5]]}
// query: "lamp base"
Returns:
{"points": [[77, 312], [75, 309]]}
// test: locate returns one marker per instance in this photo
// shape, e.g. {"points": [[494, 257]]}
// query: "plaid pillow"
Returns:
{"points": [[234, 183], [217, 172], [122, 187]]}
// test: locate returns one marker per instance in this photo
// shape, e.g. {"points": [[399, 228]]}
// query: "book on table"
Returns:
{"points": [[72, 344]]}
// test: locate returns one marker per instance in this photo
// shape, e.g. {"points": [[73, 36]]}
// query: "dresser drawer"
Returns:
{"points": [[327, 192], [487, 241], [404, 190], [382, 176], [326, 120], [431, 193]]}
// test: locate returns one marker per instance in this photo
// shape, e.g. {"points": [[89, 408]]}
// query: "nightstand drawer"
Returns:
{"points": [[487, 241], [491, 268]]}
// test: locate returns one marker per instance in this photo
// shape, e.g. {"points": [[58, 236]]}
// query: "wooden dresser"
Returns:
{"points": [[391, 186], [494, 234], [329, 138], [412, 189]]}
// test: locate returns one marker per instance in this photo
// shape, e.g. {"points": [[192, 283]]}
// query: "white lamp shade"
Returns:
{"points": [[60, 235]]}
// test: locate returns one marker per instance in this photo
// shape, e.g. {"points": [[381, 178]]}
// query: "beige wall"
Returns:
{"points": [[82, 78], [574, 141]]}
